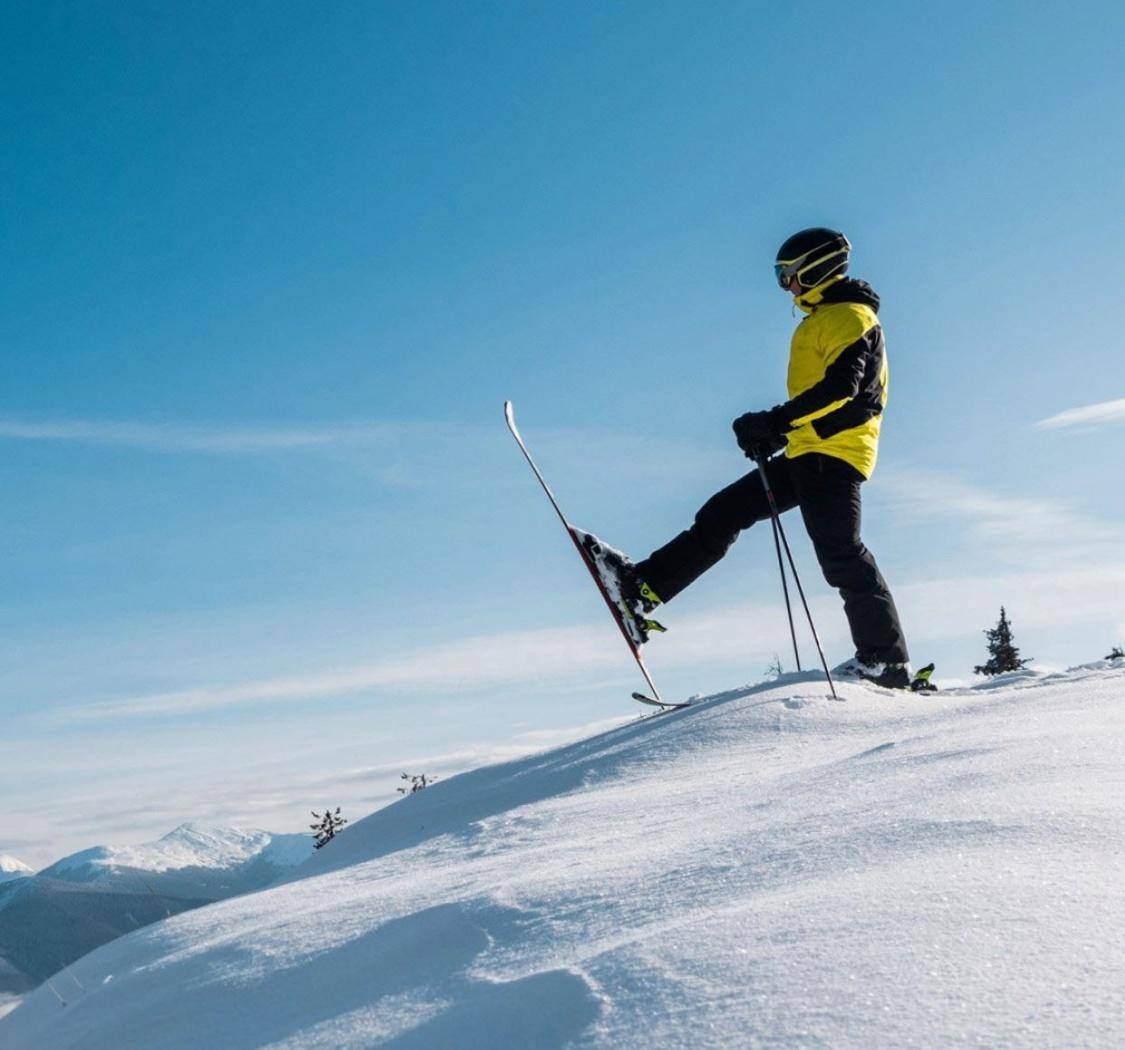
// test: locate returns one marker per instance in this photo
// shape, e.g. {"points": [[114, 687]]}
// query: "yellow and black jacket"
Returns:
{"points": [[837, 375]]}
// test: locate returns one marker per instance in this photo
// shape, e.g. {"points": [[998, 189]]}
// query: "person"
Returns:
{"points": [[829, 433]]}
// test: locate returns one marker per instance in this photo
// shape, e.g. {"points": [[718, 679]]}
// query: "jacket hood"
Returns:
{"points": [[837, 289], [851, 291]]}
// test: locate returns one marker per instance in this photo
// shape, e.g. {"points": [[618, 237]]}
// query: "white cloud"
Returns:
{"points": [[548, 656], [744, 636], [488, 660], [950, 607], [1025, 528], [1086, 416], [169, 437]]}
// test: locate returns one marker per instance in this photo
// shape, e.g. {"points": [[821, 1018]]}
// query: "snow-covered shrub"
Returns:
{"points": [[327, 826], [417, 782]]}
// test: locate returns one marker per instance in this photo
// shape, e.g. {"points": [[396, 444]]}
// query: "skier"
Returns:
{"points": [[829, 431]]}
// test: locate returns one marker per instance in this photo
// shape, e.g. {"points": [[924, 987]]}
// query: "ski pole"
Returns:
{"points": [[779, 531], [784, 585]]}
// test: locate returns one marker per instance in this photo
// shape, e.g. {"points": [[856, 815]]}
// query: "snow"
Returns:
{"points": [[192, 845], [767, 868], [8, 1003], [11, 868]]}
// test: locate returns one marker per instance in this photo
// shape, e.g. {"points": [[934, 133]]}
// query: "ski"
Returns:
{"points": [[576, 537], [664, 705]]}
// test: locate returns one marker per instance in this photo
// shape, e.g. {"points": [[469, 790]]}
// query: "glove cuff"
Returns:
{"points": [[779, 417]]}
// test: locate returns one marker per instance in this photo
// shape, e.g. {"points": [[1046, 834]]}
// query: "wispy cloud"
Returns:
{"points": [[403, 453], [492, 660], [1024, 528], [741, 637], [1045, 600], [548, 657], [1086, 416], [172, 437]]}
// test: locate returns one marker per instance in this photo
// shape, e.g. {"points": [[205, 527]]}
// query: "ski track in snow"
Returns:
{"points": [[770, 868]]}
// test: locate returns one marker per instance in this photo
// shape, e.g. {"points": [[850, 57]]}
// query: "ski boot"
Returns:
{"points": [[921, 683], [887, 675], [629, 594]]}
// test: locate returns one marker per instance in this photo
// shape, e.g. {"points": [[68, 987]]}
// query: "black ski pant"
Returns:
{"points": [[827, 491]]}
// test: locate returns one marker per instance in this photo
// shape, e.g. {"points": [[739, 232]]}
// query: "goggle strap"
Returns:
{"points": [[822, 259], [827, 244]]}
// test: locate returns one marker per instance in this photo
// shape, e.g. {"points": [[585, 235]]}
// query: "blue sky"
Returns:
{"points": [[271, 272]]}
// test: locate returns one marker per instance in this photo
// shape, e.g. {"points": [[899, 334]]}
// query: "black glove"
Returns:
{"points": [[761, 434]]}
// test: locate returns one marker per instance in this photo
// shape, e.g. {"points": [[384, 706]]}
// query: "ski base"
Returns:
{"points": [[664, 705]]}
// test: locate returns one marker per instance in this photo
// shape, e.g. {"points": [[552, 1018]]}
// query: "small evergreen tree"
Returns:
{"points": [[417, 783], [1116, 653], [327, 825], [1002, 653]]}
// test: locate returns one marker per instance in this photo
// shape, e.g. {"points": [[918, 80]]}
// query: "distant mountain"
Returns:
{"points": [[46, 924], [10, 868], [199, 861], [49, 920]]}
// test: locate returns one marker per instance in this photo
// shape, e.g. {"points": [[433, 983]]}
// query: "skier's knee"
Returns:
{"points": [[713, 526], [849, 570]]}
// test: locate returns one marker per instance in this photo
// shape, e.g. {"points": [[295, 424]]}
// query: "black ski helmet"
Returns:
{"points": [[812, 256]]}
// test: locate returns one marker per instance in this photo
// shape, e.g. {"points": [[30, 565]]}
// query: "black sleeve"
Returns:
{"points": [[842, 379]]}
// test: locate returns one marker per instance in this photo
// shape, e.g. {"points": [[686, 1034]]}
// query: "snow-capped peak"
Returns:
{"points": [[11, 868], [205, 846], [192, 845]]}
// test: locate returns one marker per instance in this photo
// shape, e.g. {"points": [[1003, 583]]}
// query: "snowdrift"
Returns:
{"points": [[770, 867]]}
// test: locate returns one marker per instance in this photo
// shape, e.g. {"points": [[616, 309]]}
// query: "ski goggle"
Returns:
{"points": [[787, 270]]}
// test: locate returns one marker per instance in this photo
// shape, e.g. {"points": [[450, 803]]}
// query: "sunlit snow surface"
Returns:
{"points": [[771, 868]]}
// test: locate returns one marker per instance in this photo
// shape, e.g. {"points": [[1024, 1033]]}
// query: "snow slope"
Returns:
{"points": [[770, 868], [10, 868]]}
